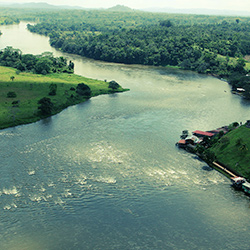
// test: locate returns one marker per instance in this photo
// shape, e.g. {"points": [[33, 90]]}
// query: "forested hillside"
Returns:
{"points": [[8, 20]]}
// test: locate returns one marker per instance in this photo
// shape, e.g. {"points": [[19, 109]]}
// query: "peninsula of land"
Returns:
{"points": [[28, 97]]}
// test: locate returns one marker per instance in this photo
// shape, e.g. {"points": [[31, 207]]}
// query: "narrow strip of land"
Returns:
{"points": [[224, 169]]}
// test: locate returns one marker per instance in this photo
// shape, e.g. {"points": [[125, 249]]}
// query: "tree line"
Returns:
{"points": [[40, 64], [7, 20], [206, 44], [205, 48]]}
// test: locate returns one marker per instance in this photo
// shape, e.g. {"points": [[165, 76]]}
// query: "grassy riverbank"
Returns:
{"points": [[30, 88], [233, 150]]}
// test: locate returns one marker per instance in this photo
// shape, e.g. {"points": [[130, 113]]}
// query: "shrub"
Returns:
{"points": [[45, 106], [52, 89], [11, 94], [113, 85], [83, 90]]}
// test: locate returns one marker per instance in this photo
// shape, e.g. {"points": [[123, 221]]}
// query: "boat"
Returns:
{"points": [[238, 181], [246, 187]]}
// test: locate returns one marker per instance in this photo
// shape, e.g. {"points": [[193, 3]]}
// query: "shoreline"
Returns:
{"points": [[224, 149], [30, 88]]}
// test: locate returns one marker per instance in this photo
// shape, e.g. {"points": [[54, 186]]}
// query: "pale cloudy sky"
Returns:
{"points": [[136, 4]]}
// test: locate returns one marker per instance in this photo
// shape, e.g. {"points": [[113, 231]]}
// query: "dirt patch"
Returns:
{"points": [[247, 58]]}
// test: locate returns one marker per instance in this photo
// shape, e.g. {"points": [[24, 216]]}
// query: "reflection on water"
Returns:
{"points": [[106, 174]]}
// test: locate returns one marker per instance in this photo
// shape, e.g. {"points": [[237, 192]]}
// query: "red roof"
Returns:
{"points": [[182, 142], [203, 133]]}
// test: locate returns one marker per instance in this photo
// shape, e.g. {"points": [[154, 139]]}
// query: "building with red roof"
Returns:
{"points": [[200, 133]]}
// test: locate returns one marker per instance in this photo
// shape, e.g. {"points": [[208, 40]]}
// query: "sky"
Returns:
{"points": [[236, 5]]}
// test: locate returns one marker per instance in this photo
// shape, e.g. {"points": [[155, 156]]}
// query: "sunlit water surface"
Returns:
{"points": [[106, 174]]}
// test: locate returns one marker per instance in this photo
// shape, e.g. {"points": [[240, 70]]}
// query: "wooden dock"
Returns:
{"points": [[224, 169]]}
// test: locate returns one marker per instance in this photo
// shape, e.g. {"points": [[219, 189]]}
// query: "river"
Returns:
{"points": [[106, 174]]}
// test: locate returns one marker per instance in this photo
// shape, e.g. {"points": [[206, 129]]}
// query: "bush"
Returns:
{"points": [[83, 90], [11, 94], [45, 106], [113, 85], [52, 89]]}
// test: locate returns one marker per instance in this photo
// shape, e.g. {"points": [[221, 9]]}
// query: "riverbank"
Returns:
{"points": [[20, 93], [233, 150], [228, 145]]}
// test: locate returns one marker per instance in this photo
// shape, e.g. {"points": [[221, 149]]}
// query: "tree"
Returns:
{"points": [[166, 23], [209, 155], [113, 85], [240, 66], [12, 78], [11, 94], [52, 89], [247, 91], [43, 65], [29, 61], [46, 106], [83, 90], [71, 65]]}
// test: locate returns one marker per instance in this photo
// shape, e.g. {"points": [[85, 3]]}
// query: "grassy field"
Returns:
{"points": [[234, 150], [30, 88]]}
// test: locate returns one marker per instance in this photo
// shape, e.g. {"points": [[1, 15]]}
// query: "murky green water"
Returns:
{"points": [[106, 174]]}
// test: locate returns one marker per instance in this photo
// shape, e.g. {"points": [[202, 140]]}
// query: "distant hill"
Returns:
{"points": [[120, 8], [200, 11], [40, 5]]}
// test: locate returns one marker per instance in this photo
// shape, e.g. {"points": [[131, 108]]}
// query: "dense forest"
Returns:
{"points": [[206, 44], [6, 20], [40, 64]]}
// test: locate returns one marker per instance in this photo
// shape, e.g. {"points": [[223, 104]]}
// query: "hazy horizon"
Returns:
{"points": [[241, 5]]}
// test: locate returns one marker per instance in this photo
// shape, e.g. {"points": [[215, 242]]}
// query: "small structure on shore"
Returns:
{"points": [[240, 90], [241, 183], [202, 134], [246, 187], [237, 182], [196, 138], [200, 141]]}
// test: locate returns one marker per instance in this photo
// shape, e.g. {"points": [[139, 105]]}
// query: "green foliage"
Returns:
{"points": [[52, 89], [45, 106], [209, 156], [7, 20], [11, 94], [233, 125], [198, 43], [30, 88], [233, 150], [83, 90], [41, 64], [166, 23], [224, 142], [113, 85], [206, 44]]}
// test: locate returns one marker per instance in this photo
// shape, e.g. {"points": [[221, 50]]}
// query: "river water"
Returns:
{"points": [[106, 174]]}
